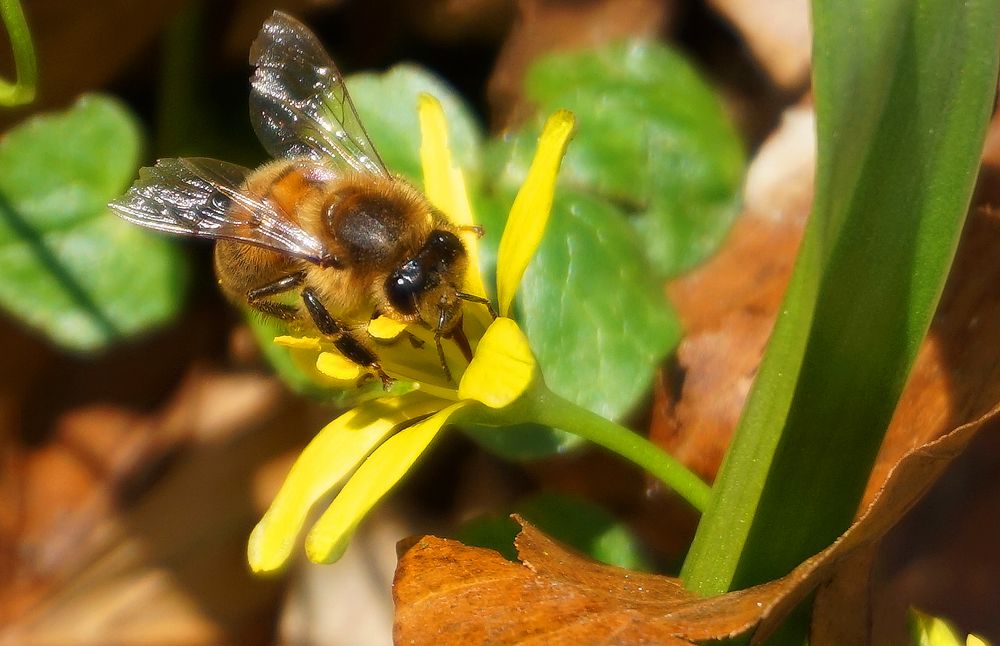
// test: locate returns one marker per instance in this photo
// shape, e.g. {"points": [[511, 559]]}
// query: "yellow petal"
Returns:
{"points": [[928, 630], [444, 184], [337, 366], [299, 342], [331, 455], [443, 181], [385, 328], [329, 537], [530, 212], [503, 367]]}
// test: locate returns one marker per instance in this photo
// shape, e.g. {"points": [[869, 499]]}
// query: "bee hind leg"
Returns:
{"points": [[342, 338]]}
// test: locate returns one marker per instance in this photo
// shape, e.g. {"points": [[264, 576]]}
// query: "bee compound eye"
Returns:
{"points": [[447, 239], [443, 247], [403, 286]]}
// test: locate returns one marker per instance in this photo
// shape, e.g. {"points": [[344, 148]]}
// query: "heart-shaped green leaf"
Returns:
{"points": [[71, 268], [652, 137]]}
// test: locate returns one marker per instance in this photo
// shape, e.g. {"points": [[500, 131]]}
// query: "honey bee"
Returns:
{"points": [[326, 221]]}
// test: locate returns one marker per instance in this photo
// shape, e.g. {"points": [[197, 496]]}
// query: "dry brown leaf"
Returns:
{"points": [[943, 557], [131, 527], [842, 612], [350, 603], [777, 32], [453, 21], [446, 591]]}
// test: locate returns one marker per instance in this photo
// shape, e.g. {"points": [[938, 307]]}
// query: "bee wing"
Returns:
{"points": [[299, 104], [205, 198]]}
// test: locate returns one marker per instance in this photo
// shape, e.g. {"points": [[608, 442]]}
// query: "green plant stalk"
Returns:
{"points": [[552, 410], [903, 95], [23, 91]]}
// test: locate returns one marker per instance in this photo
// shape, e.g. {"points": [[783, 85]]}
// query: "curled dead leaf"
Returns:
{"points": [[445, 591]]}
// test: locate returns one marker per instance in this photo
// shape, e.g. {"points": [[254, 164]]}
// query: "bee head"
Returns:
{"points": [[426, 285]]}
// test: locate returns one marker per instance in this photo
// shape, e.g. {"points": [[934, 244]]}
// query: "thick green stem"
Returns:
{"points": [[552, 410], [23, 91]]}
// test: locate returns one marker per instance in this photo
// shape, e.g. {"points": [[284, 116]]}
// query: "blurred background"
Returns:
{"points": [[134, 463]]}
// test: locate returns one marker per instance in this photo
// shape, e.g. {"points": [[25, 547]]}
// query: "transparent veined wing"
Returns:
{"points": [[205, 198], [299, 105]]}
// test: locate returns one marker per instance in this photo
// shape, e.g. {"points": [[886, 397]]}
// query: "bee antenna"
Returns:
{"points": [[472, 298]]}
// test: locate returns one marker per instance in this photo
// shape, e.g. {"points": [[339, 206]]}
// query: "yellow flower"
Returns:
{"points": [[381, 439]]}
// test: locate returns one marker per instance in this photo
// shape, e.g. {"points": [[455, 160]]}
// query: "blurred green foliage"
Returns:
{"points": [[71, 268]]}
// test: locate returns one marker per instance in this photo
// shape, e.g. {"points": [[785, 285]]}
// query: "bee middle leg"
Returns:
{"points": [[342, 338], [257, 298]]}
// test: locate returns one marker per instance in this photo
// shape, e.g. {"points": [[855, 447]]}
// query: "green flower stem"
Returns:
{"points": [[552, 410], [23, 91]]}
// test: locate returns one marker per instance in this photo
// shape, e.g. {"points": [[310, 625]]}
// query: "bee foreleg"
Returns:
{"points": [[347, 344], [442, 312], [444, 364], [257, 297]]}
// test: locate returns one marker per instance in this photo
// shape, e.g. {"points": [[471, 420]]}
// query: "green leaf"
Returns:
{"points": [[387, 105], [71, 268], [903, 94], [651, 137], [570, 520], [596, 318], [595, 315]]}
